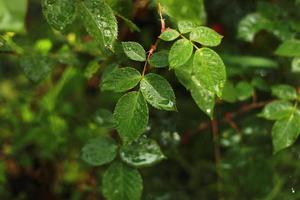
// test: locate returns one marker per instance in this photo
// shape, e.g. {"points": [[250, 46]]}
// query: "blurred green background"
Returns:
{"points": [[44, 126]]}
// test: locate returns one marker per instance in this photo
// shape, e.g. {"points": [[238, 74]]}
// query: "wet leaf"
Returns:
{"points": [[141, 153], [36, 67], [285, 92], [121, 182], [277, 110], [285, 132], [121, 80], [252, 24], [131, 116], [59, 13], [185, 26], [134, 51], [206, 36], [169, 35], [99, 151], [158, 92], [160, 59], [180, 53], [204, 99], [99, 21], [210, 70]]}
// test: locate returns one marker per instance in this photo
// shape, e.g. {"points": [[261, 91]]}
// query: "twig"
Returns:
{"points": [[243, 109], [154, 45], [217, 153]]}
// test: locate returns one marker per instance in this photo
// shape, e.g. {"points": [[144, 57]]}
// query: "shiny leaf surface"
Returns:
{"points": [[158, 92], [141, 153], [121, 182], [121, 80], [210, 70], [131, 116]]}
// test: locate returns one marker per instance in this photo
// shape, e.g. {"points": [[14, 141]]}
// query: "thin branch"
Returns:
{"points": [[155, 44], [243, 109]]}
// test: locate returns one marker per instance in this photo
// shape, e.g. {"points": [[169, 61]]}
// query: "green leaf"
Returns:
{"points": [[184, 73], [269, 10], [160, 59], [289, 48], [285, 132], [285, 92], [210, 70], [249, 61], [229, 92], [296, 65], [123, 7], [59, 13], [178, 10], [256, 22], [206, 36], [121, 182], [99, 151], [12, 15], [158, 92], [185, 26], [131, 116], [121, 80], [104, 118], [132, 26], [134, 51], [36, 67], [169, 35], [252, 24], [277, 110], [99, 21], [141, 153], [180, 53], [204, 99], [244, 90]]}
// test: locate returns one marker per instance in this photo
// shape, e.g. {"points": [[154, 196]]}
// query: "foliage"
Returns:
{"points": [[194, 110]]}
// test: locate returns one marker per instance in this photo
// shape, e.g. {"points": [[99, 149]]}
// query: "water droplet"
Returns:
{"points": [[293, 190]]}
